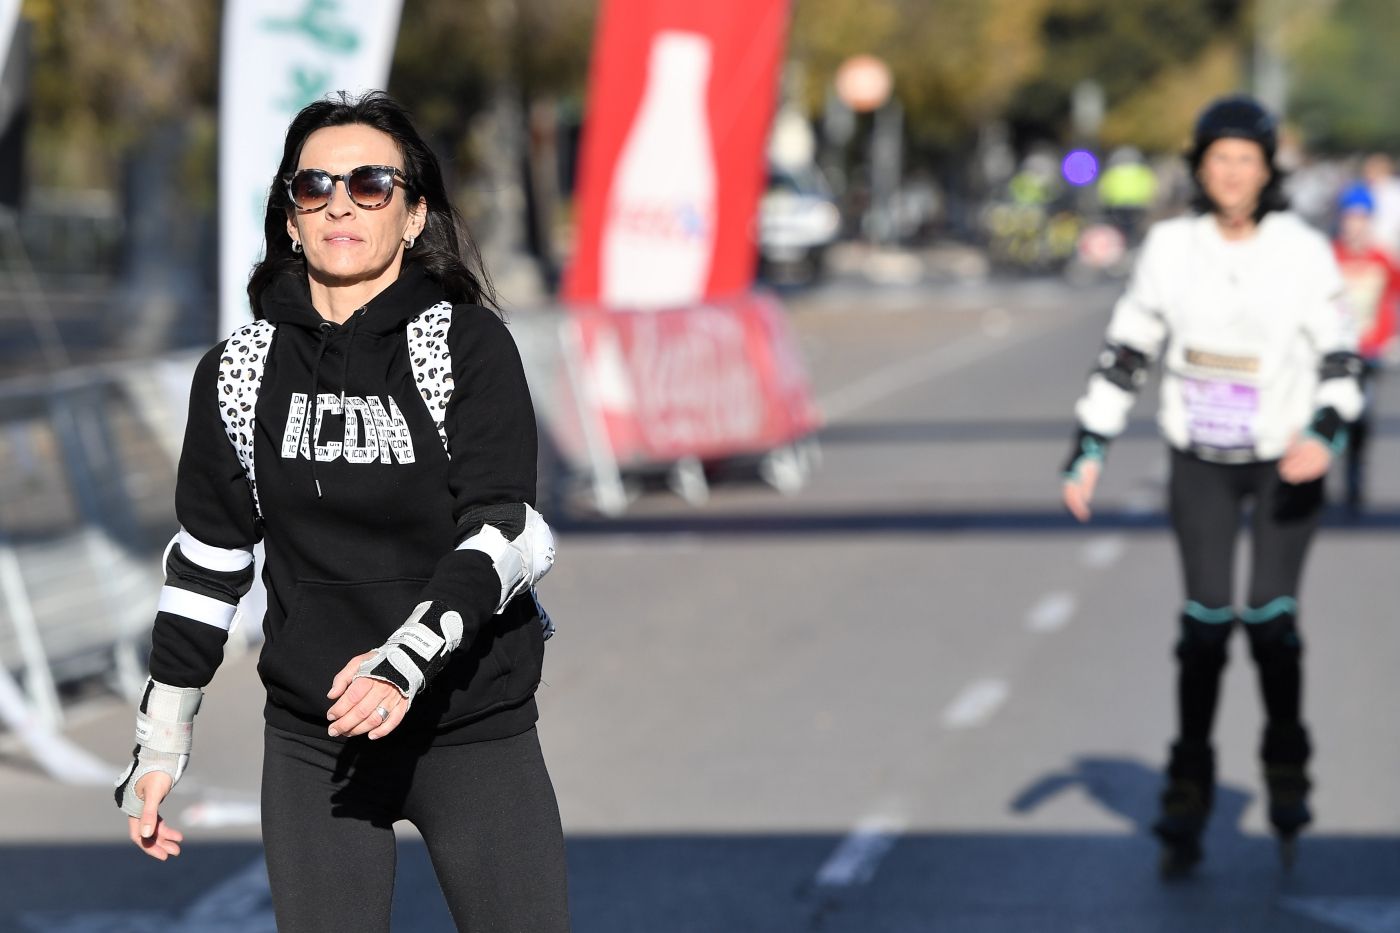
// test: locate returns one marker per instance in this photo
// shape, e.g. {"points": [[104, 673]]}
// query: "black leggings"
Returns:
{"points": [[1207, 503], [486, 811]]}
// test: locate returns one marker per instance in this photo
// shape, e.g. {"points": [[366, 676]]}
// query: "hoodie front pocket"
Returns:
{"points": [[330, 623]]}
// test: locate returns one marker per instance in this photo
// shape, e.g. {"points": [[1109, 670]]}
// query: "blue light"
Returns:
{"points": [[1080, 167]]}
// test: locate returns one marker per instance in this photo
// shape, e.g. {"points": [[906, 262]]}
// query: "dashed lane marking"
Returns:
{"points": [[1103, 551], [858, 856], [1052, 613], [976, 703], [908, 373]]}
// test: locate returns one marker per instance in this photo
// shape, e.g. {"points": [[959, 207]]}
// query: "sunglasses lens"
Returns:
{"points": [[310, 189], [370, 186]]}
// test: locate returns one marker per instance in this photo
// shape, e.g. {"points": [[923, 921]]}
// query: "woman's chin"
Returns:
{"points": [[342, 274]]}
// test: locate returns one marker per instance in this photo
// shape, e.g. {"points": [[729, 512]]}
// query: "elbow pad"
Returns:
{"points": [[1087, 446], [1123, 366], [1341, 365], [519, 543], [164, 736]]}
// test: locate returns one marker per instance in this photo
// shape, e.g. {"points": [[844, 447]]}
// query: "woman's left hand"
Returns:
{"points": [[1306, 459], [356, 710]]}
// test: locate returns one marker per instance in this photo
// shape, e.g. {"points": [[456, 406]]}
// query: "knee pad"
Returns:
{"points": [[1204, 644], [1274, 641]]}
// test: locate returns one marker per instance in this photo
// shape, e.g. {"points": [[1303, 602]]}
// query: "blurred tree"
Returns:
{"points": [[485, 79], [454, 55], [1345, 67], [105, 72], [1157, 62], [955, 62]]}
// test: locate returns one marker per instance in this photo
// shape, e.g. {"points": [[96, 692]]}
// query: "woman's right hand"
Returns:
{"points": [[1079, 490], [153, 835]]}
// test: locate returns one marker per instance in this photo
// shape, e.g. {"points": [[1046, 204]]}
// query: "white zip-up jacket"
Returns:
{"points": [[1254, 338]]}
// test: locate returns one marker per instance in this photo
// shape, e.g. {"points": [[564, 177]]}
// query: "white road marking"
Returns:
{"points": [[996, 322], [1142, 502], [244, 898], [906, 374], [856, 858], [1354, 914], [1052, 613], [241, 904], [1103, 551], [216, 813], [976, 703]]}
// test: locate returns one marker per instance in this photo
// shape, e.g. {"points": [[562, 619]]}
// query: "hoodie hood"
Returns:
{"points": [[288, 301]]}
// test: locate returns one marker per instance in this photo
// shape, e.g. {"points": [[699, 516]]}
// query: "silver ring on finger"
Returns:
{"points": [[383, 714]]}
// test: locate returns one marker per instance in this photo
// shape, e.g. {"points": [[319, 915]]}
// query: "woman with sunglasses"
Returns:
{"points": [[403, 646], [1242, 304]]}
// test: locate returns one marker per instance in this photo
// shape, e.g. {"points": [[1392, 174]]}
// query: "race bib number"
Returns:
{"points": [[1220, 414]]}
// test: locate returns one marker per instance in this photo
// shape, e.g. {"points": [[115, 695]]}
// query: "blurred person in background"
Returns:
{"points": [[1127, 190], [1242, 304], [403, 644], [1373, 288], [1378, 170]]}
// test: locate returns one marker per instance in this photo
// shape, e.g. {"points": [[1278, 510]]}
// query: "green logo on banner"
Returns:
{"points": [[317, 22]]}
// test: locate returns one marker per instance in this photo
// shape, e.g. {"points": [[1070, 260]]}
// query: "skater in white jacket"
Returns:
{"points": [[1241, 305]]}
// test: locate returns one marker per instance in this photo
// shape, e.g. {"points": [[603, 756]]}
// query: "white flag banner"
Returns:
{"points": [[279, 56], [9, 18]]}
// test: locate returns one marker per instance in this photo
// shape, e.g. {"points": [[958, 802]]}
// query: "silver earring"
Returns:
{"points": [[408, 242], [296, 246]]}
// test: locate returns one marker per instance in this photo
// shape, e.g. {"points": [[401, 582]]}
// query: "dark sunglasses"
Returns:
{"points": [[369, 186]]}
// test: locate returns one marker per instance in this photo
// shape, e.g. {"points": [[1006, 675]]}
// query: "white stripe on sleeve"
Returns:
{"points": [[196, 606], [224, 560]]}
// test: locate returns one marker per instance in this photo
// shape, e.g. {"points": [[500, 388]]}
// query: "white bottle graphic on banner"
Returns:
{"points": [[659, 230]]}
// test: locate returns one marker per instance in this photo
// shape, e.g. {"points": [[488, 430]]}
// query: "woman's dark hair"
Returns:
{"points": [[1237, 116], [444, 250]]}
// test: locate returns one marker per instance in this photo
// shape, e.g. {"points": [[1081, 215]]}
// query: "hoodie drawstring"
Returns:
{"points": [[345, 363], [325, 330], [314, 408]]}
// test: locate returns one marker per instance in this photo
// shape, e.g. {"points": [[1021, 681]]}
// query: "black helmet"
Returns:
{"points": [[1237, 117]]}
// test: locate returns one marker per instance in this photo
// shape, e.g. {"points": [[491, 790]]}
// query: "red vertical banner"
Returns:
{"points": [[681, 95]]}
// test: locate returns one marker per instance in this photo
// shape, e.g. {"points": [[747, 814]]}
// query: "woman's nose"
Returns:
{"points": [[339, 204]]}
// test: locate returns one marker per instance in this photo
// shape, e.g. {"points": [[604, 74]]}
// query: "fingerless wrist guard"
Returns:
{"points": [[1088, 446], [1327, 426], [164, 736], [417, 650]]}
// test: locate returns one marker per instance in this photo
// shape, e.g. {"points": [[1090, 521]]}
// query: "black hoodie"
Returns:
{"points": [[352, 547]]}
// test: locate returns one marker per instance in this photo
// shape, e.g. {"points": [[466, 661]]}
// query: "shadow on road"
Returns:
{"points": [[762, 882], [923, 521]]}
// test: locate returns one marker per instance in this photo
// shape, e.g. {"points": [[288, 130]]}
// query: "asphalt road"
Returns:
{"points": [[915, 696]]}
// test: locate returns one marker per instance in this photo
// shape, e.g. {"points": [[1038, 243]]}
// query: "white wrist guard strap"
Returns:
{"points": [[520, 545], [164, 736], [417, 650]]}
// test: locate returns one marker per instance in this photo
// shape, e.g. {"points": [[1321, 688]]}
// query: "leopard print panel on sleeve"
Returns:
{"points": [[431, 360], [240, 375]]}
